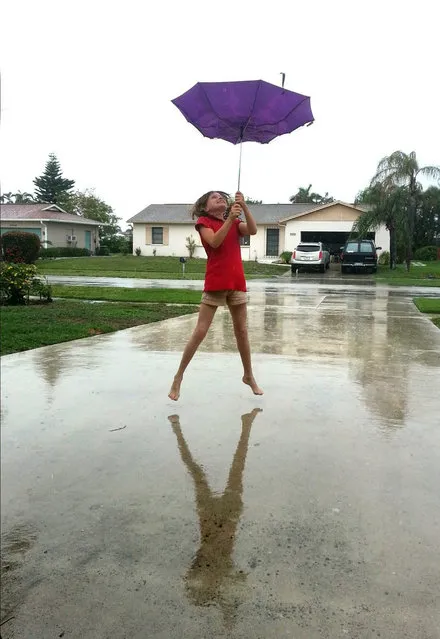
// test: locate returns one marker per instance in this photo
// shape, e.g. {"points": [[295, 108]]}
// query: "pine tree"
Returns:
{"points": [[51, 186]]}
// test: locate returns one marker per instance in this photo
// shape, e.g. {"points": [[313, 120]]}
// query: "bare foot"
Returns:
{"points": [[250, 381], [174, 393]]}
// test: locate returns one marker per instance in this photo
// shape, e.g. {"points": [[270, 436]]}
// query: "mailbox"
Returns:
{"points": [[182, 260]]}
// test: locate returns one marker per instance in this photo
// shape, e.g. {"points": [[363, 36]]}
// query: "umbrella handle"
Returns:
{"points": [[239, 166]]}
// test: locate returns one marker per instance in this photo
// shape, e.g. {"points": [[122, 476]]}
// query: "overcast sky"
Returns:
{"points": [[92, 82]]}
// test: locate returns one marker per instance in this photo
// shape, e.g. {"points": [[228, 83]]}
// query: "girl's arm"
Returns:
{"points": [[216, 239], [250, 226]]}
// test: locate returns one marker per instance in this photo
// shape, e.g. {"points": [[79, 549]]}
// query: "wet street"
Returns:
{"points": [[311, 512]]}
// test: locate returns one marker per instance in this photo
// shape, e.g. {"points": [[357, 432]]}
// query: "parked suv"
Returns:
{"points": [[310, 255], [359, 254]]}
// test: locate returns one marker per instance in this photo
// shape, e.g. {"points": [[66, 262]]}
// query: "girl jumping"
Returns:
{"points": [[224, 278]]}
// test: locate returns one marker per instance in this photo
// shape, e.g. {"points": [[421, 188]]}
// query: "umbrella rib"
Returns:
{"points": [[284, 117], [292, 110], [251, 112], [210, 104]]}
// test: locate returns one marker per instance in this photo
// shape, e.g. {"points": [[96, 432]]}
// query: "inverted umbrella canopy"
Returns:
{"points": [[248, 111]]}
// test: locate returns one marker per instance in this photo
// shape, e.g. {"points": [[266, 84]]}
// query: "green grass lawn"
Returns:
{"points": [[26, 327], [428, 275], [144, 267], [428, 304], [115, 294]]}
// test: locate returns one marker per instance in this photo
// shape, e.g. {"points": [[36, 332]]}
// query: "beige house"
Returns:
{"points": [[164, 228], [54, 226]]}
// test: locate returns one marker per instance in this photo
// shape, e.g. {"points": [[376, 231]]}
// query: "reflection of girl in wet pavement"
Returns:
{"points": [[212, 575]]}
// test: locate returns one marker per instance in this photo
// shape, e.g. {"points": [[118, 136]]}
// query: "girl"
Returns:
{"points": [[224, 279]]}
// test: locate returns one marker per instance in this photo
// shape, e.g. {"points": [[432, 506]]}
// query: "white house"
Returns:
{"points": [[54, 226], [164, 228]]}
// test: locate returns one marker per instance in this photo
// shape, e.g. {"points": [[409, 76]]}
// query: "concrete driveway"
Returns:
{"points": [[312, 512]]}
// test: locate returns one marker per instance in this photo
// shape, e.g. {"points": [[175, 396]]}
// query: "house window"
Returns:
{"points": [[245, 240], [157, 235]]}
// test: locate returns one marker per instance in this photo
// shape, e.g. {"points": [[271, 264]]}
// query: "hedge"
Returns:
{"points": [[20, 247], [426, 253], [63, 251]]}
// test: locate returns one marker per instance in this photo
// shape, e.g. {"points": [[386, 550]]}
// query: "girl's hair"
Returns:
{"points": [[198, 208]]}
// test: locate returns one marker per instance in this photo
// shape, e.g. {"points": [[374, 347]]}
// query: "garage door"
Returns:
{"points": [[333, 240]]}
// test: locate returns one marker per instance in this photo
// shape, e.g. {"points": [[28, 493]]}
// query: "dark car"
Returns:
{"points": [[359, 255]]}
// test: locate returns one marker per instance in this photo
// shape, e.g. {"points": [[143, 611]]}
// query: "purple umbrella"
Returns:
{"points": [[249, 111]]}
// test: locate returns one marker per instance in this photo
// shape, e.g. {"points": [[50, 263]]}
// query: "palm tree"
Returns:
{"points": [[6, 198], [303, 196], [387, 206], [23, 198], [427, 231], [249, 200], [402, 169], [17, 198]]}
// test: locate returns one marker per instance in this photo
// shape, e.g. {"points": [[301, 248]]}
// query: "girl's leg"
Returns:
{"points": [[206, 315], [239, 319]]}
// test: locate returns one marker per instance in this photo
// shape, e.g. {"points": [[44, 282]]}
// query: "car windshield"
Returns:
{"points": [[308, 248], [352, 247], [366, 247]]}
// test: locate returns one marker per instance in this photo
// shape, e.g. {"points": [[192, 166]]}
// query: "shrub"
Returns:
{"points": [[42, 288], [138, 251], [286, 256], [426, 253], [191, 246], [63, 251], [19, 281], [20, 247], [103, 250], [115, 243], [384, 258]]}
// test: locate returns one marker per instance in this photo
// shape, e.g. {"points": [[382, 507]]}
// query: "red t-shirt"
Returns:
{"points": [[224, 270]]}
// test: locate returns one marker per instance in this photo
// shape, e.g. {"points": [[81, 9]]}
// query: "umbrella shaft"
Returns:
{"points": [[239, 166]]}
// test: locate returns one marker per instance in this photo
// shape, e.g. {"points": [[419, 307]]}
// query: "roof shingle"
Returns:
{"points": [[180, 213], [45, 212]]}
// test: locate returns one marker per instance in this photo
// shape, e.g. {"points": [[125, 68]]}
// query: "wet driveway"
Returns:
{"points": [[312, 512]]}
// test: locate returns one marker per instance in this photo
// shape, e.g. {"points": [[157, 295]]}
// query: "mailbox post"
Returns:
{"points": [[183, 262]]}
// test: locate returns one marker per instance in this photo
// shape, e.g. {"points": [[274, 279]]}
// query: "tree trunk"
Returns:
{"points": [[393, 246], [411, 224], [409, 240]]}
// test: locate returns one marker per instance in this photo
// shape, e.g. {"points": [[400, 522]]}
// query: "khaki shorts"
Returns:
{"points": [[223, 298]]}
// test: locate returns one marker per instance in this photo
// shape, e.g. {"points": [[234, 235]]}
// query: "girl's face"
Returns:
{"points": [[216, 205]]}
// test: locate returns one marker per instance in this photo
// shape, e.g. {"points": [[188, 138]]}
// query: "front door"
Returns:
{"points": [[272, 242], [88, 240]]}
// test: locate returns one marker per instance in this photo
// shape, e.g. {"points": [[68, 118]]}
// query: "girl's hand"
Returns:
{"points": [[239, 198], [235, 211]]}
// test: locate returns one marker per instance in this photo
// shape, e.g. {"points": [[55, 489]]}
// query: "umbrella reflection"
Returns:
{"points": [[213, 578]]}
